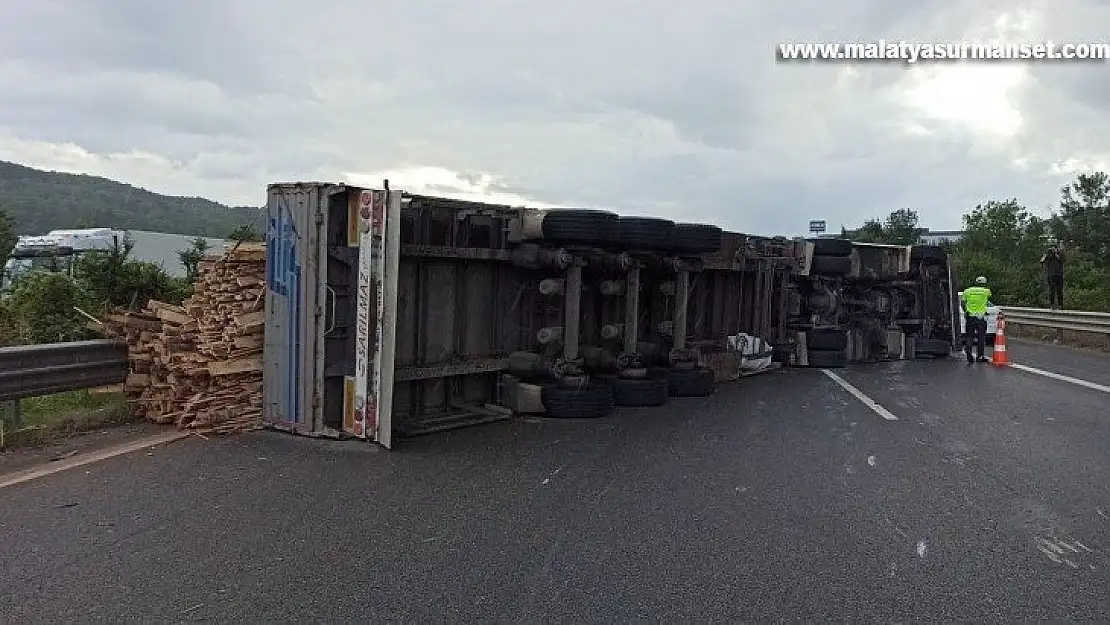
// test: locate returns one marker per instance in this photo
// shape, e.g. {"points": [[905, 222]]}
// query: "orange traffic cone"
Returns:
{"points": [[999, 356]]}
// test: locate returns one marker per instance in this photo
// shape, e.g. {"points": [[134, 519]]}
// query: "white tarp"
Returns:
{"points": [[756, 353]]}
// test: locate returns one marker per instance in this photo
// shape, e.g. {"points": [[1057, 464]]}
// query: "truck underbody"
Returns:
{"points": [[878, 302], [390, 313]]}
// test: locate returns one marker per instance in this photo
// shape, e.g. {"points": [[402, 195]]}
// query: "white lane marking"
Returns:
{"points": [[1062, 378], [858, 394], [95, 456]]}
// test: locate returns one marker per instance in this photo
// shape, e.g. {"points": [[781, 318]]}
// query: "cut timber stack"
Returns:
{"points": [[199, 365]]}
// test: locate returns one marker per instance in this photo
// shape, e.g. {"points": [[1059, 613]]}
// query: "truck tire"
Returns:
{"points": [[645, 233], [831, 247], [831, 265], [929, 254], [635, 393], [827, 339], [827, 359], [781, 353], [586, 227], [697, 382], [592, 401], [696, 238], [933, 348]]}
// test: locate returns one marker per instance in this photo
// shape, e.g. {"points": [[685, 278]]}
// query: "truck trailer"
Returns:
{"points": [[397, 314], [390, 314]]}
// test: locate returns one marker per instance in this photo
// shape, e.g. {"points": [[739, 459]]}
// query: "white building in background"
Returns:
{"points": [[936, 237]]}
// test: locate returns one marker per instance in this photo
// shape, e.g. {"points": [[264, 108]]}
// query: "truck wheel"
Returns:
{"points": [[645, 233], [650, 391], [929, 254], [828, 359], [827, 339], [585, 402], [587, 227], [934, 348], [781, 353], [696, 382], [831, 247], [831, 265], [696, 238]]}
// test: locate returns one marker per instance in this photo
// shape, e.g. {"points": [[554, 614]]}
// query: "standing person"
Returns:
{"points": [[1053, 261], [976, 299]]}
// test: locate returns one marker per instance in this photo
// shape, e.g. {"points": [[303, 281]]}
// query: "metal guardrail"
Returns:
{"points": [[34, 370], [1076, 320]]}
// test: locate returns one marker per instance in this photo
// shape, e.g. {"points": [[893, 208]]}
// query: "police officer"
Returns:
{"points": [[975, 315]]}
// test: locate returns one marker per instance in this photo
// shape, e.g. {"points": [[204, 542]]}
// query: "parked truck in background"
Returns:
{"points": [[56, 251], [396, 314]]}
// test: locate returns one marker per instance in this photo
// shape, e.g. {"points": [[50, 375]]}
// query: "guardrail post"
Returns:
{"points": [[10, 412]]}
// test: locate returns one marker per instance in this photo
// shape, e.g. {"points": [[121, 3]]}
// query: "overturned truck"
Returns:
{"points": [[390, 314], [860, 302]]}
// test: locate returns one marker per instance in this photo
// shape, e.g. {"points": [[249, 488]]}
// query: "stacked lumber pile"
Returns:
{"points": [[199, 365]]}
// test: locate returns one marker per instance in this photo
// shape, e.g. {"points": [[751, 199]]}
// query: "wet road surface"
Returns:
{"points": [[782, 497]]}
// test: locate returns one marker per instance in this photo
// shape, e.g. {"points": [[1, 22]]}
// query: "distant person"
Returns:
{"points": [[976, 299], [1053, 261]]}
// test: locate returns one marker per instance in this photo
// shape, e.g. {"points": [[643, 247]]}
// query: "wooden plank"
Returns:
{"points": [[177, 317], [251, 320], [247, 342], [138, 379], [249, 364]]}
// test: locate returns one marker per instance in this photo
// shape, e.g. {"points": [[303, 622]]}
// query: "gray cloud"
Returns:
{"points": [[651, 106]]}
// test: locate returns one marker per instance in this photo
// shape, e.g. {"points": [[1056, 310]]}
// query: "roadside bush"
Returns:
{"points": [[9, 328], [113, 280], [42, 307]]}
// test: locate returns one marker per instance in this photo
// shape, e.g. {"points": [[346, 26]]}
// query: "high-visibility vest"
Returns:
{"points": [[976, 299]]}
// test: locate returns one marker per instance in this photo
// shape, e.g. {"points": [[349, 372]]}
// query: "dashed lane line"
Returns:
{"points": [[1061, 377], [858, 394]]}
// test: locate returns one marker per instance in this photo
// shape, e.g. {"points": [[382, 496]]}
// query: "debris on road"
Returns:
{"points": [[199, 365]]}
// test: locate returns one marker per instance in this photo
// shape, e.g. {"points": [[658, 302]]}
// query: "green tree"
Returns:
{"points": [[8, 236], [1083, 224], [870, 232], [1003, 242], [245, 233], [900, 228], [191, 257]]}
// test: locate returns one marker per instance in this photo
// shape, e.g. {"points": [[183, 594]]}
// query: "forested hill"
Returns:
{"points": [[40, 201]]}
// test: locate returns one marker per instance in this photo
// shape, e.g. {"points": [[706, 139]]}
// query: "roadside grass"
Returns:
{"points": [[52, 418]]}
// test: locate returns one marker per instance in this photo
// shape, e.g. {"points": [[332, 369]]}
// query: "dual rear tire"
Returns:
{"points": [[599, 398]]}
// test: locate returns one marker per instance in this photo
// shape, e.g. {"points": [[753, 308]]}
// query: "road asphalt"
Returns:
{"points": [[781, 497]]}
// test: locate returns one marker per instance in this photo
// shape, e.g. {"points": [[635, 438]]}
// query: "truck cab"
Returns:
{"points": [[858, 302]]}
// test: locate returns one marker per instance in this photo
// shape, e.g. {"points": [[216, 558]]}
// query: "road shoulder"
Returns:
{"points": [[76, 450]]}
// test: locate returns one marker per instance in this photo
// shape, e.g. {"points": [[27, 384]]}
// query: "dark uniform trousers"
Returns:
{"points": [[977, 334]]}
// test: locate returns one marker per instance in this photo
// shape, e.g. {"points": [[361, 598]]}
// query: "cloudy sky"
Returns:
{"points": [[654, 107]]}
